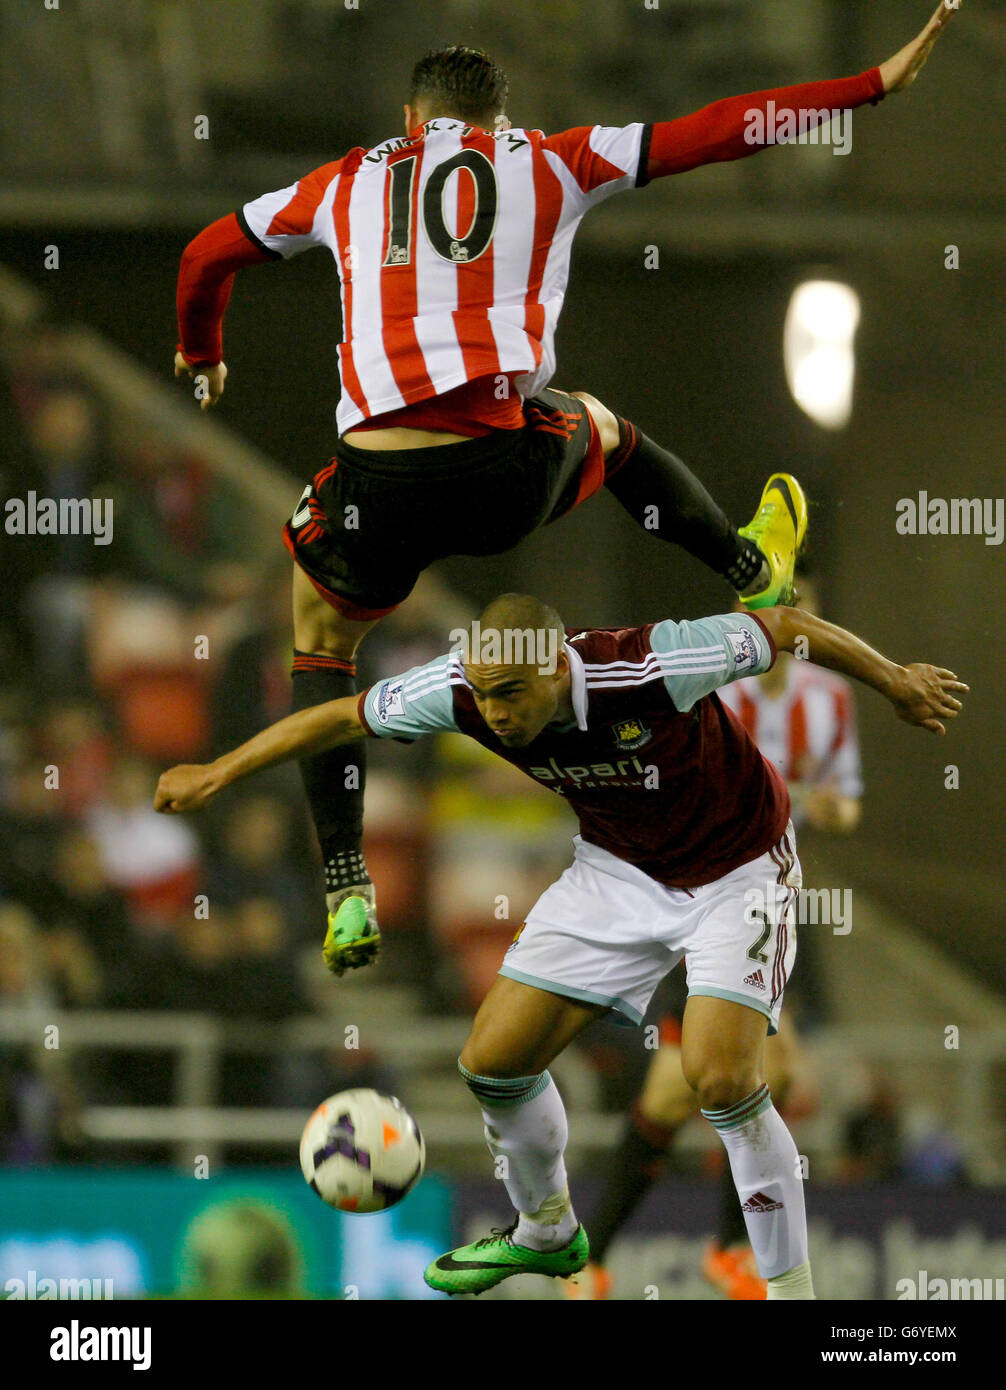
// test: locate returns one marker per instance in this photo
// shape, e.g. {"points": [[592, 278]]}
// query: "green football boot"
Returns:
{"points": [[778, 530], [477, 1267], [353, 937]]}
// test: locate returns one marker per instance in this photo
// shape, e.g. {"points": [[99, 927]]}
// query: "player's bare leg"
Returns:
{"points": [[325, 643], [729, 1263], [517, 1032], [723, 1060], [662, 494], [666, 1102]]}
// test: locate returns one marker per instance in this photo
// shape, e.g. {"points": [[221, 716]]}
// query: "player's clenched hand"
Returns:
{"points": [[187, 787], [213, 377], [924, 695], [901, 71]]}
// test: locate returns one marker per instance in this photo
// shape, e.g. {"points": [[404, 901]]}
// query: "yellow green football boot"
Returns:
{"points": [[353, 937], [778, 530], [487, 1262]]}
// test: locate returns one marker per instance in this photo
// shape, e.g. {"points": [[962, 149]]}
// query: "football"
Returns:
{"points": [[362, 1151]]}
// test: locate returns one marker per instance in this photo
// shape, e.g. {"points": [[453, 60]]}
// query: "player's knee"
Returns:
{"points": [[604, 420], [480, 1057], [717, 1087]]}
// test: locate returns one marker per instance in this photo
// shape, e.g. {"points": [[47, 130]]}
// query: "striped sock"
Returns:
{"points": [[766, 1172]]}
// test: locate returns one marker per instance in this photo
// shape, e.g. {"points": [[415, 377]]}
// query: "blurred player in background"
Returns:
{"points": [[681, 818], [803, 719], [452, 246]]}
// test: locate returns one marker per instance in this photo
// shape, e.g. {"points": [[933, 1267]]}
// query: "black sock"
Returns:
{"points": [[334, 781], [732, 1227], [639, 1163], [666, 498]]}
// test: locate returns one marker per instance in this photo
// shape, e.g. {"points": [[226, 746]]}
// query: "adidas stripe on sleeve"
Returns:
{"points": [[419, 702], [698, 657]]}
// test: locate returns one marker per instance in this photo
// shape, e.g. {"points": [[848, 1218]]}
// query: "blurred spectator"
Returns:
{"points": [[65, 459], [73, 736], [254, 861], [38, 1102], [32, 819], [24, 983], [872, 1137], [932, 1155], [84, 900], [253, 687], [263, 983], [152, 859]]}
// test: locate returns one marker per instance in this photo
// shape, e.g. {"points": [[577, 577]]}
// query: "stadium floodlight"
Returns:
{"points": [[819, 350]]}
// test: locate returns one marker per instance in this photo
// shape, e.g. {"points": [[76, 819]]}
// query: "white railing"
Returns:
{"points": [[964, 1092]]}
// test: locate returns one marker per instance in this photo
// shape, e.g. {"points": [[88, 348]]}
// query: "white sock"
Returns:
{"points": [[526, 1130], [795, 1283], [765, 1167], [551, 1227]]}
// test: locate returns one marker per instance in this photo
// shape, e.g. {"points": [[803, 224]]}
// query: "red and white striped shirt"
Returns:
{"points": [[808, 731], [453, 245], [453, 250]]}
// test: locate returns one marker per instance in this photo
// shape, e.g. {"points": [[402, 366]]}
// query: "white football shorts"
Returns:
{"points": [[607, 933]]}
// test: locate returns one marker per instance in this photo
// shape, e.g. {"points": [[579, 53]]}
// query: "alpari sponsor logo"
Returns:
{"points": [[594, 774], [756, 978], [36, 1287], [759, 1202], [76, 1343], [930, 1289]]}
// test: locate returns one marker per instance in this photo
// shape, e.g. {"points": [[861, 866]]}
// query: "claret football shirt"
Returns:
{"points": [[658, 771]]}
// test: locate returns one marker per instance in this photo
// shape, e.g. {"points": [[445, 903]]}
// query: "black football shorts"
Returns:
{"points": [[371, 522]]}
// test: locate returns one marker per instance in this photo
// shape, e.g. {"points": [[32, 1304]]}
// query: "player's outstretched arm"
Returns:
{"points": [[921, 694], [190, 786], [740, 126], [205, 280], [901, 71]]}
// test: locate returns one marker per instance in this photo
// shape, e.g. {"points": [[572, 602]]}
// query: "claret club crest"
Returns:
{"points": [[631, 733]]}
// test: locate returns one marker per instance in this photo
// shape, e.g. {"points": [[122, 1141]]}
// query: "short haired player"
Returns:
{"points": [[680, 818], [452, 244]]}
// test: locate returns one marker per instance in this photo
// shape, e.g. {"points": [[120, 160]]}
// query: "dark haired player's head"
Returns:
{"points": [[461, 82], [517, 669]]}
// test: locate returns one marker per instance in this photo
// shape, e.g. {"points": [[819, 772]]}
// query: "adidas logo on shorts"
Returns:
{"points": [[756, 978], [759, 1202]]}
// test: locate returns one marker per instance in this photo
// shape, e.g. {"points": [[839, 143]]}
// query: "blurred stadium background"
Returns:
{"points": [[184, 1033]]}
